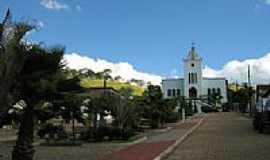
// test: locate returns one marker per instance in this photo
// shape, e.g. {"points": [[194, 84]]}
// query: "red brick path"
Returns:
{"points": [[141, 151], [149, 150]]}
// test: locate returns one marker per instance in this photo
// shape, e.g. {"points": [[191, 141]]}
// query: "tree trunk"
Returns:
{"points": [[95, 122], [24, 150], [73, 129]]}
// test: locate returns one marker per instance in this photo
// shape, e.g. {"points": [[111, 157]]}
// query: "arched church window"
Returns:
{"points": [[169, 92], [219, 91], [213, 90], [209, 91], [189, 78], [178, 92], [173, 92], [193, 78]]}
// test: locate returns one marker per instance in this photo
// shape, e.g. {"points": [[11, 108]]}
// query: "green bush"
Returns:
{"points": [[172, 117], [101, 133], [51, 130], [107, 133], [118, 134], [207, 109], [87, 134], [189, 111]]}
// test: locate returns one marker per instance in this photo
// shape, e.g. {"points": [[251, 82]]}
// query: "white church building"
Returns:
{"points": [[193, 85]]}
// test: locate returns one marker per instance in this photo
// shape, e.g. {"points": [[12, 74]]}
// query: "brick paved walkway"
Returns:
{"points": [[225, 136], [141, 151], [153, 146], [147, 150]]}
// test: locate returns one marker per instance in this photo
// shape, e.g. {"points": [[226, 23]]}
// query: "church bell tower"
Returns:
{"points": [[192, 74]]}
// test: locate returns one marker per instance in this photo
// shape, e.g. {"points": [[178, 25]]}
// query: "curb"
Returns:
{"points": [[138, 140], [179, 141]]}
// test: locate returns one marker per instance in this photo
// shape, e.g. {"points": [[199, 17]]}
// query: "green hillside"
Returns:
{"points": [[88, 83]]}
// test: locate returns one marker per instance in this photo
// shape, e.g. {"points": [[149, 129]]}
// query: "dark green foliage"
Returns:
{"points": [[38, 78], [172, 117], [214, 99], [156, 109], [126, 112], [12, 57], [52, 130], [207, 109], [242, 95], [104, 133], [68, 85], [189, 110], [27, 72]]}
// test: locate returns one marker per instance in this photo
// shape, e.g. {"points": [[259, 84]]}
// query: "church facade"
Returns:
{"points": [[193, 85]]}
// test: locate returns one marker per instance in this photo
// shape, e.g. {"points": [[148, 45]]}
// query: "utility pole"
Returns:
{"points": [[249, 91]]}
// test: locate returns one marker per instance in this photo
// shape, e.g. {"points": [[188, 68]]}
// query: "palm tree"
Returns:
{"points": [[11, 58], [28, 73]]}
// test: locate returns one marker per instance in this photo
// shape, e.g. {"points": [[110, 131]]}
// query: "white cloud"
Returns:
{"points": [[54, 5], [78, 8], [174, 73], [38, 23], [123, 69], [266, 2], [237, 70]]}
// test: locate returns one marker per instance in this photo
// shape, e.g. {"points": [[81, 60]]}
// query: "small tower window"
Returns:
{"points": [[192, 64]]}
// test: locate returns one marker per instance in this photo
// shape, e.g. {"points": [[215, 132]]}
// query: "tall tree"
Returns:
{"points": [[27, 72], [12, 57], [37, 84], [154, 105], [125, 112]]}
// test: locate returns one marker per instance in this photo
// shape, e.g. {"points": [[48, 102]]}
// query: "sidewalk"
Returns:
{"points": [[158, 146]]}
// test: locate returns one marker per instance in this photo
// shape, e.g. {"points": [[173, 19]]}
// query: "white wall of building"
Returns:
{"points": [[215, 83], [193, 64], [172, 84]]}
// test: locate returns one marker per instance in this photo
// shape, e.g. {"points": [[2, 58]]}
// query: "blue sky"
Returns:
{"points": [[152, 35]]}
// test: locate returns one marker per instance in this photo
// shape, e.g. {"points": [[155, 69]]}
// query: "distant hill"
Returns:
{"points": [[88, 83], [235, 87]]}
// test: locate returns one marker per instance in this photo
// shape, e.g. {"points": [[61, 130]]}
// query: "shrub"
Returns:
{"points": [[52, 130], [100, 133], [107, 133], [172, 117], [189, 111], [207, 109]]}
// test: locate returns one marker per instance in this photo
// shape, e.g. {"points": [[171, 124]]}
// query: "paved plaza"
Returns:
{"points": [[224, 136], [221, 136]]}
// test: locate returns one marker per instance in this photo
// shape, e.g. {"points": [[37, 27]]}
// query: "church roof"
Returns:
{"points": [[192, 54]]}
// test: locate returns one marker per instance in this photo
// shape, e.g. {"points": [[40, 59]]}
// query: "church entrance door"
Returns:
{"points": [[193, 92]]}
